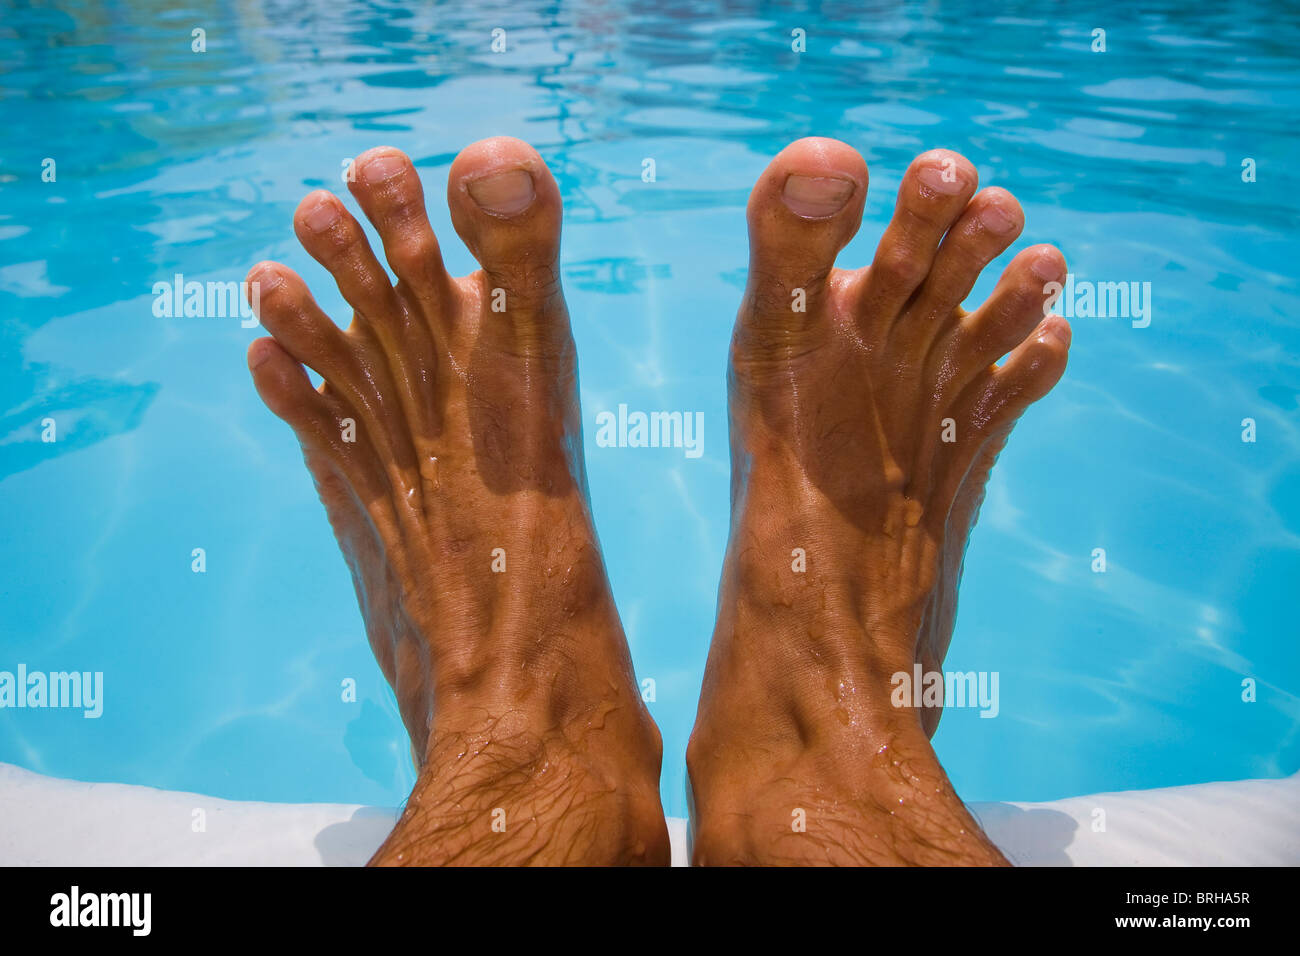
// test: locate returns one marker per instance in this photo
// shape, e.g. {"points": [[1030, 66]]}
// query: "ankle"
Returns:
{"points": [[866, 796], [504, 790]]}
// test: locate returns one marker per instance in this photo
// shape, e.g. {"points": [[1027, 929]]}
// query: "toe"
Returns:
{"points": [[286, 309], [359, 374], [987, 410], [988, 225], [389, 192], [285, 389], [803, 210], [505, 205], [1021, 300], [404, 343], [936, 188], [388, 189], [317, 423], [1029, 373], [335, 239]]}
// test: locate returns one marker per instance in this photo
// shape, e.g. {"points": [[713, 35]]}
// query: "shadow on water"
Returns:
{"points": [[80, 414], [374, 751]]}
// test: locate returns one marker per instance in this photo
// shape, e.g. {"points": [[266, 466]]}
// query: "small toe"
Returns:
{"points": [[388, 189], [935, 190], [1029, 372], [286, 390], [1021, 299], [336, 240], [286, 309], [319, 423], [988, 225], [360, 375]]}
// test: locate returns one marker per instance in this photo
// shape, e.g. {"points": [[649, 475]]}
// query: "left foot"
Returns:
{"points": [[446, 446], [866, 413]]}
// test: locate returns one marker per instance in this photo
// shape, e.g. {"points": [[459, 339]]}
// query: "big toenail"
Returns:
{"points": [[382, 167], [996, 219], [942, 179], [815, 197], [505, 194], [322, 216]]}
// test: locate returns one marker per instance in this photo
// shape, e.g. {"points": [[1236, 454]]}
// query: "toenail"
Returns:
{"points": [[816, 197], [1057, 329], [258, 357], [1046, 268], [996, 219], [505, 194], [322, 216], [942, 179], [264, 279], [382, 167]]}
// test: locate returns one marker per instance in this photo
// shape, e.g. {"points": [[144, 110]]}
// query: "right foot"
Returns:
{"points": [[458, 496], [839, 415]]}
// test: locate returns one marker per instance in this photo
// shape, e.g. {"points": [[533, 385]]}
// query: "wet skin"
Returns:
{"points": [[838, 414], [462, 511], [461, 508]]}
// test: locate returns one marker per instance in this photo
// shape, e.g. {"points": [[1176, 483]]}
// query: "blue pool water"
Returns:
{"points": [[170, 161]]}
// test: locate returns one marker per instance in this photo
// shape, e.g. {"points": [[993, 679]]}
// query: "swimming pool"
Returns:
{"points": [[172, 162]]}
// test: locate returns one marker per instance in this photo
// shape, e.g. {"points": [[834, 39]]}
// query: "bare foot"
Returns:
{"points": [[446, 445], [839, 415]]}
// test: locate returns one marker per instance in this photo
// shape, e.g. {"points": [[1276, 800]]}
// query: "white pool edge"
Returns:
{"points": [[47, 821]]}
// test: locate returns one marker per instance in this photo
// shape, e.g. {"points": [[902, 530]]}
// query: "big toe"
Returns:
{"points": [[803, 210], [505, 205]]}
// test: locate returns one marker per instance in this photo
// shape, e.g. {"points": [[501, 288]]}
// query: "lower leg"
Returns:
{"points": [[799, 756], [539, 752]]}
